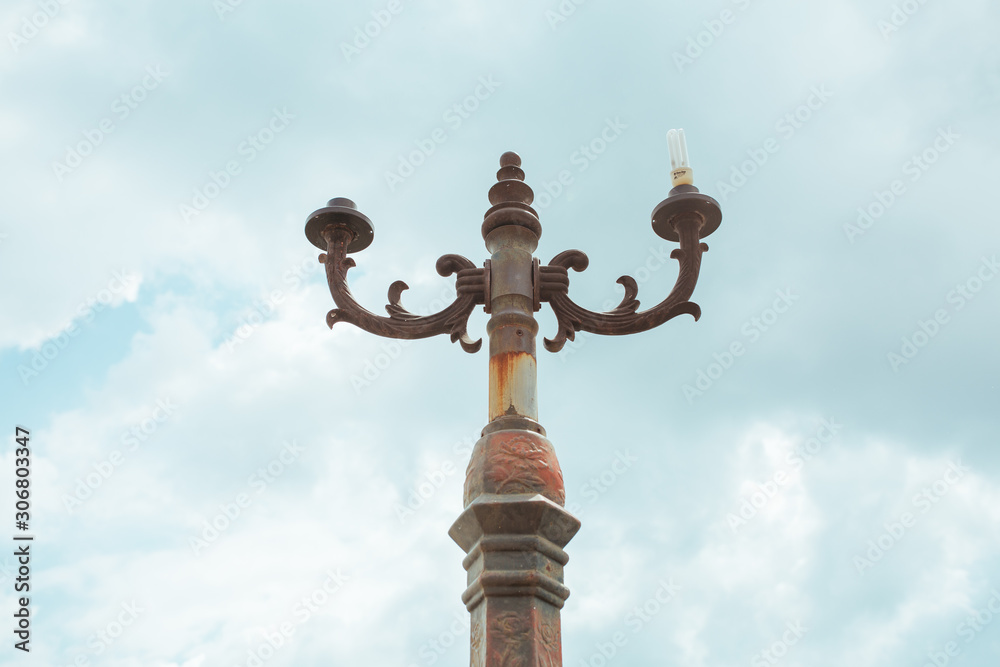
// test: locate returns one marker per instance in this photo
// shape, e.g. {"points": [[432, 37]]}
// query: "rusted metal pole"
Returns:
{"points": [[512, 327], [514, 526]]}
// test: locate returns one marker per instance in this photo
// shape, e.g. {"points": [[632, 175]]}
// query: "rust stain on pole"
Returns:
{"points": [[512, 380]]}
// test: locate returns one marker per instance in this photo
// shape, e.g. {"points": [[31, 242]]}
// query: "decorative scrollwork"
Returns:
{"points": [[625, 318], [401, 323]]}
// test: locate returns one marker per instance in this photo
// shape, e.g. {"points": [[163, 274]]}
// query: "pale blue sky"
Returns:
{"points": [[163, 319]]}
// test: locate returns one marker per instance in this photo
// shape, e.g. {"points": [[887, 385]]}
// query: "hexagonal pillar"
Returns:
{"points": [[513, 531]]}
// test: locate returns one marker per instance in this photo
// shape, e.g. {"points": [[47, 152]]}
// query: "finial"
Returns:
{"points": [[510, 168], [510, 159], [511, 198]]}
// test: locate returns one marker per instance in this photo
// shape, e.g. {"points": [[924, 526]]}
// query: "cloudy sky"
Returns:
{"points": [[828, 496]]}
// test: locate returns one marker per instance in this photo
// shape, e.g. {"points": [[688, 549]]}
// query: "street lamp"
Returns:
{"points": [[514, 525]]}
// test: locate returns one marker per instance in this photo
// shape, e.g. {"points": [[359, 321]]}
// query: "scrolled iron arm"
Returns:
{"points": [[401, 323], [625, 318]]}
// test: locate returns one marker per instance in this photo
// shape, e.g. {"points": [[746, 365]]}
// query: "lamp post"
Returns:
{"points": [[514, 526]]}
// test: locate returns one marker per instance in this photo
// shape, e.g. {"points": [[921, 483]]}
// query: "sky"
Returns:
{"points": [[807, 475]]}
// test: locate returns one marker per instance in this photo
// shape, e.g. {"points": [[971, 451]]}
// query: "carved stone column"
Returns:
{"points": [[514, 526]]}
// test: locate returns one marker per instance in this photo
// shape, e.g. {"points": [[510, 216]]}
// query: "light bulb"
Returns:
{"points": [[680, 167]]}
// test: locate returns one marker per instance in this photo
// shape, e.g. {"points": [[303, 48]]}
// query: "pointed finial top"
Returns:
{"points": [[511, 198]]}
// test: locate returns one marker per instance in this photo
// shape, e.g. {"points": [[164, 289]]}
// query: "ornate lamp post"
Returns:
{"points": [[514, 525]]}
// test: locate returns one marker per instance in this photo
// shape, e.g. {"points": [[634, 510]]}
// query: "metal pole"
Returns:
{"points": [[514, 527]]}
